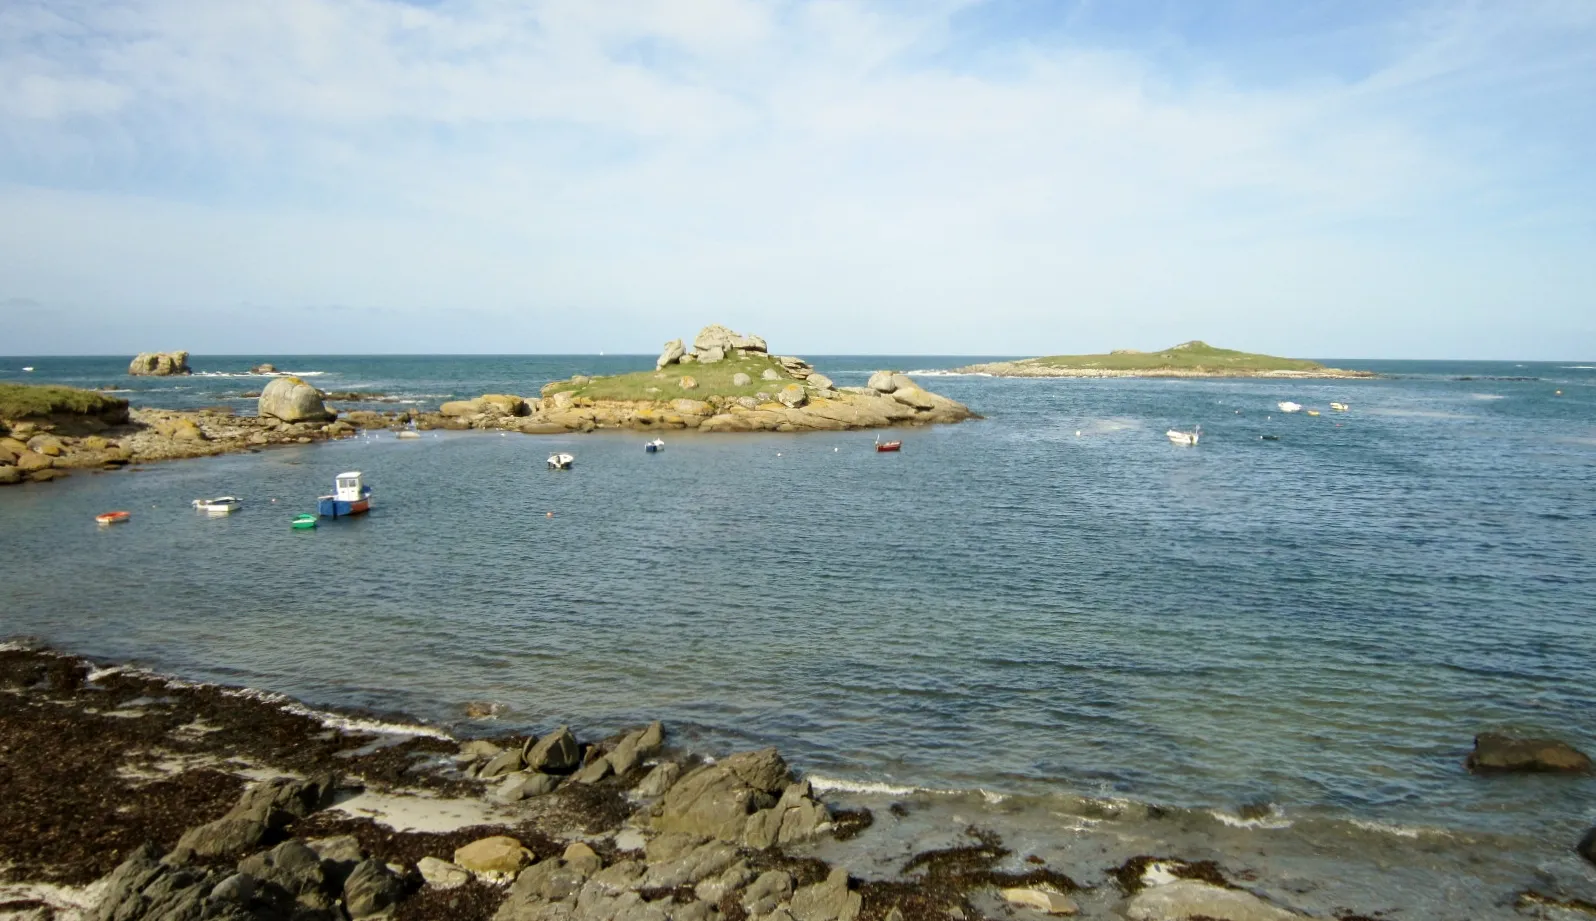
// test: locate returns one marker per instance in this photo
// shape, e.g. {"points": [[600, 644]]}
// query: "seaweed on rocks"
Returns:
{"points": [[408, 847], [847, 824], [1129, 876], [946, 878], [474, 901], [72, 811]]}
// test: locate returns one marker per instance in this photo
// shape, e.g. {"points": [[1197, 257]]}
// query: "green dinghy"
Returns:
{"points": [[304, 522]]}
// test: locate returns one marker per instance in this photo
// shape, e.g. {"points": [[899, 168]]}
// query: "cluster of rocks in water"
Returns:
{"points": [[159, 364], [37, 450], [290, 410]]}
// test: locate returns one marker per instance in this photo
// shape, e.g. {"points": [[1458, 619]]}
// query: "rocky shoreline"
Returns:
{"points": [[131, 795], [152, 798]]}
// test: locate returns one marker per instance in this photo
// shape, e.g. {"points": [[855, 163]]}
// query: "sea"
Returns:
{"points": [[1272, 650]]}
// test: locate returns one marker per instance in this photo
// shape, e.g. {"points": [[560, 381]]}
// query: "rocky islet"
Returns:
{"points": [[38, 448]]}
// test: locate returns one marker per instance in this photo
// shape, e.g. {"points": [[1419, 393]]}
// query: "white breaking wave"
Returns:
{"points": [[1487, 396], [830, 784], [1275, 819], [1579, 367], [935, 373], [348, 724], [265, 374], [1385, 829]]}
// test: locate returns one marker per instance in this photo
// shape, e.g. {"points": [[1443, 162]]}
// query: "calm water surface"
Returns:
{"points": [[1051, 600]]}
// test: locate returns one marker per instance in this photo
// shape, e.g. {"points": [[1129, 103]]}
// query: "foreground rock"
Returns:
{"points": [[1496, 752], [159, 364], [1587, 845]]}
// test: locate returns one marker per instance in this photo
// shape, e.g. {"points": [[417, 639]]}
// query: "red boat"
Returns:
{"points": [[889, 446]]}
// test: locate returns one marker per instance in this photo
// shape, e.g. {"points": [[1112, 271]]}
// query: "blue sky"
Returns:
{"points": [[1351, 178]]}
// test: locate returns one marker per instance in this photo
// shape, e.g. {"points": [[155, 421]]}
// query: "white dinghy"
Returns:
{"points": [[1286, 406], [561, 461], [220, 505]]}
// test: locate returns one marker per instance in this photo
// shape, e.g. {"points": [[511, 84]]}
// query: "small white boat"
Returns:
{"points": [[220, 505], [29, 368], [1340, 407], [561, 461], [1185, 439], [1286, 406], [655, 446], [409, 433]]}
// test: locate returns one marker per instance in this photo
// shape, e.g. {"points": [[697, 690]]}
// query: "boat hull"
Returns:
{"points": [[329, 507]]}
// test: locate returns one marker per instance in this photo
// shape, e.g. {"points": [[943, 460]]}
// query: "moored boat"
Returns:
{"points": [[1185, 439], [351, 496], [1286, 406], [655, 446], [1313, 412], [561, 461], [220, 505], [885, 446], [1340, 407], [303, 522], [409, 433], [112, 517]]}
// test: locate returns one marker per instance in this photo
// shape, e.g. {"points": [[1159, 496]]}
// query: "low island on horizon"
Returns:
{"points": [[1188, 359]]}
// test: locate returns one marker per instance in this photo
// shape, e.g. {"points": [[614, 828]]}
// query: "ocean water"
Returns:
{"points": [[1052, 605]]}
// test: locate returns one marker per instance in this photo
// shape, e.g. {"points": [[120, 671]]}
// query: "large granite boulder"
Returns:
{"points": [[674, 350], [556, 753], [292, 400], [792, 396], [159, 364], [714, 337], [1496, 752], [881, 382], [717, 799]]}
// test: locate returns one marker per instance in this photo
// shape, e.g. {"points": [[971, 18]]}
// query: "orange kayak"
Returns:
{"points": [[113, 517]]}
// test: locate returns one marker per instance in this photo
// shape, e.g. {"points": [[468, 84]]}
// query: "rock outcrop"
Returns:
{"points": [[1496, 752], [159, 364], [712, 344], [290, 399], [1587, 846]]}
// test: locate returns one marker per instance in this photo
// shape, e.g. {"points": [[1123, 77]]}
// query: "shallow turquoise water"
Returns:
{"points": [[1050, 599]]}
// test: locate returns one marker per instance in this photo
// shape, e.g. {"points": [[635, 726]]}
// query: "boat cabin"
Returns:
{"points": [[348, 487]]}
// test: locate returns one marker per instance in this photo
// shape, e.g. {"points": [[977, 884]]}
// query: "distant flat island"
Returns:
{"points": [[1189, 359]]}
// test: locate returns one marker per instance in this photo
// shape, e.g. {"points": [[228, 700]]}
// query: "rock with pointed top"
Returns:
{"points": [[674, 350]]}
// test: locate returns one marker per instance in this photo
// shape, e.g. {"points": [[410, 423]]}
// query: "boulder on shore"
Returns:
{"points": [[159, 364], [717, 799], [292, 400], [1496, 752]]}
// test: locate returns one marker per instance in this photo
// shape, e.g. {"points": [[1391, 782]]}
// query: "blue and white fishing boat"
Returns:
{"points": [[351, 496], [655, 446]]}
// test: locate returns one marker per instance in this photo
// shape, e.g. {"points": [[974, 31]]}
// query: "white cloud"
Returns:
{"points": [[834, 174]]}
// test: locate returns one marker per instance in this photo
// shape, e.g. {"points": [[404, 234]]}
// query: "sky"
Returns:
{"points": [[1323, 178]]}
